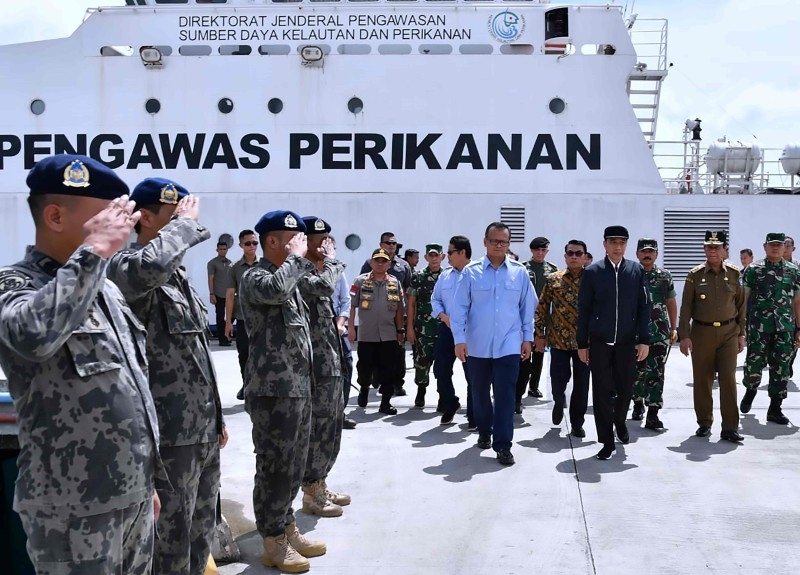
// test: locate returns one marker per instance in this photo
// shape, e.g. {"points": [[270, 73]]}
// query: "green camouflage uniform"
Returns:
{"points": [[425, 326], [770, 333], [649, 384]]}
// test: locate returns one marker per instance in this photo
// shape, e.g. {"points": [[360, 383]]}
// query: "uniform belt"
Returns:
{"points": [[715, 323]]}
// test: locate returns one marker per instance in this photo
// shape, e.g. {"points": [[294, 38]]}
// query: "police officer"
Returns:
{"points": [[278, 390], [649, 387], [181, 373], [773, 287], [712, 328], [379, 299], [327, 401], [421, 328], [74, 355]]}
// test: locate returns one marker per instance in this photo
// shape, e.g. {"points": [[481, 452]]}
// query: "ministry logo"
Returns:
{"points": [[506, 26]]}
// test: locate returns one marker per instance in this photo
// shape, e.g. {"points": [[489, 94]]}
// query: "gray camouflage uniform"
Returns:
{"points": [[74, 355], [327, 412], [278, 391], [184, 387]]}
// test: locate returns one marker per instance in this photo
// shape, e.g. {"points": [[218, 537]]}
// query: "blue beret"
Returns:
{"points": [[152, 191], [75, 175], [279, 221], [315, 225]]}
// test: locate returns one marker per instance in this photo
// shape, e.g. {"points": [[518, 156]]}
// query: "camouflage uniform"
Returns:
{"points": [[184, 388], [278, 391], [649, 384], [425, 326], [770, 331], [74, 355], [530, 371], [327, 400]]}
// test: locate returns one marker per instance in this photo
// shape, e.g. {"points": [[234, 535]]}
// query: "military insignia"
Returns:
{"points": [[702, 296], [319, 226], [94, 320], [12, 280], [76, 175], [290, 222], [713, 237], [365, 304], [169, 194]]}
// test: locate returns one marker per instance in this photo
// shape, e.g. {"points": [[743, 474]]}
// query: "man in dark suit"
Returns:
{"points": [[613, 329]]}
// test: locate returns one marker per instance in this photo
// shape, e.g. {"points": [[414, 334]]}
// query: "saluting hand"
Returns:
{"points": [[327, 249], [297, 246], [686, 346], [188, 207], [108, 230]]}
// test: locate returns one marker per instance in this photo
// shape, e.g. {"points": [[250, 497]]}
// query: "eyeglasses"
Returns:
{"points": [[499, 243], [390, 243], [451, 252], [577, 253], [249, 243]]}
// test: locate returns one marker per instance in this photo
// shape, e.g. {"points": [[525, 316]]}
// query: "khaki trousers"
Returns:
{"points": [[714, 350]]}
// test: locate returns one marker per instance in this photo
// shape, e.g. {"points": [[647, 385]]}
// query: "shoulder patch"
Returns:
{"points": [[12, 280], [732, 266], [697, 268]]}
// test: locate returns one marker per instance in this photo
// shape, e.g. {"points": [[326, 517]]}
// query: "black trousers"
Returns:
{"points": [[219, 308], [379, 359], [565, 364], [347, 367], [242, 346], [613, 370], [530, 370]]}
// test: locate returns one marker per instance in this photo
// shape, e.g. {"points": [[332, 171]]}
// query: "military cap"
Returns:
{"points": [[646, 244], [280, 221], [715, 238], [154, 191], [75, 175], [540, 242], [381, 253], [775, 238], [315, 225], [433, 248], [616, 232]]}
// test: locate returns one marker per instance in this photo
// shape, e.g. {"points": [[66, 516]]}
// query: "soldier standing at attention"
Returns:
{"points": [[327, 406], [713, 301], [773, 286], [278, 391], [421, 328], [181, 373], [219, 280], [74, 355], [531, 370], [649, 387]]}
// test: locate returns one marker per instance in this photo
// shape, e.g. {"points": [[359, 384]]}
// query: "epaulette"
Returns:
{"points": [[697, 268], [732, 266]]}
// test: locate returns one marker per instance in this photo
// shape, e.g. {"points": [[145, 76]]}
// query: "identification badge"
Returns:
{"points": [[364, 305]]}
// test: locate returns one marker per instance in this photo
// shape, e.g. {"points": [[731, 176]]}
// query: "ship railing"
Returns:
{"points": [[649, 36]]}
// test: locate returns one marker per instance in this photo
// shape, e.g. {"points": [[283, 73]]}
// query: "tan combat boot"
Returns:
{"points": [[278, 552], [337, 498], [304, 546], [315, 501]]}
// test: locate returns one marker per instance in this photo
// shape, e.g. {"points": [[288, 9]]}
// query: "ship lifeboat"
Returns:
{"points": [[733, 158], [790, 159]]}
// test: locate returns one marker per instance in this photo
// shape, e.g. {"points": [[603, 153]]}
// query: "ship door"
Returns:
{"points": [[556, 31]]}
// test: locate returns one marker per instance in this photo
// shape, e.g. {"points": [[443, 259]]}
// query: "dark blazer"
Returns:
{"points": [[610, 304]]}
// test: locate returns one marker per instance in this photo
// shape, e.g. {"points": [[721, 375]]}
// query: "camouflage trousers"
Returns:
{"points": [[281, 431], [423, 351], [649, 385], [119, 541], [774, 350], [327, 415], [188, 509]]}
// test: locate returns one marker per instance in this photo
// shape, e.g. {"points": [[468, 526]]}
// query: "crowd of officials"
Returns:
{"points": [[120, 423]]}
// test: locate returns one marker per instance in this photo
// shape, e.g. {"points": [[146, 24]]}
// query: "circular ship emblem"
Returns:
{"points": [[506, 26]]}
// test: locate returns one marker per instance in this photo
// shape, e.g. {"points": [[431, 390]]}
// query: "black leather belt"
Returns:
{"points": [[715, 323]]}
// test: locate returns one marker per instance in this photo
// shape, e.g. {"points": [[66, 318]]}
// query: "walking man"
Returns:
{"points": [[712, 330], [613, 315], [219, 281], [492, 324]]}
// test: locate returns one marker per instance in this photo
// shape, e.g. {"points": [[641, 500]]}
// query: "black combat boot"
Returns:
{"points": [[652, 421], [747, 401], [419, 401], [638, 410], [774, 413]]}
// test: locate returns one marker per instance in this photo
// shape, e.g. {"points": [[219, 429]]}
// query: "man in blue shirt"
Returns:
{"points": [[492, 324]]}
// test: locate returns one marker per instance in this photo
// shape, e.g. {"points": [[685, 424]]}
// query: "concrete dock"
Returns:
{"points": [[426, 500]]}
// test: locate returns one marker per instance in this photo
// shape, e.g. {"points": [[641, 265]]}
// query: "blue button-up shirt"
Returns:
{"points": [[341, 297], [444, 290], [493, 308]]}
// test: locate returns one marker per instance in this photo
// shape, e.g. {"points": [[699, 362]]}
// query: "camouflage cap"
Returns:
{"points": [[154, 191], [433, 249], [280, 221], [75, 175], [647, 244], [775, 238], [315, 225]]}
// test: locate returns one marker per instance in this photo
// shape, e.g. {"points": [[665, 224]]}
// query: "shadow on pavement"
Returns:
{"points": [[465, 466], [550, 442], [591, 470], [359, 415], [439, 435], [699, 449], [410, 416], [234, 409], [765, 429]]}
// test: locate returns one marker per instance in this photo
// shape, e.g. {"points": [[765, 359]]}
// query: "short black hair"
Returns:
{"points": [[588, 255], [747, 251], [576, 243], [385, 235], [789, 239], [462, 243], [244, 233], [153, 208], [410, 252], [497, 226]]}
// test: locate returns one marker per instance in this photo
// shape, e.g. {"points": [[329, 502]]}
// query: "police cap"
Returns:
{"points": [[381, 253], [715, 238], [647, 244], [155, 191], [616, 232], [280, 221], [315, 225], [75, 175]]}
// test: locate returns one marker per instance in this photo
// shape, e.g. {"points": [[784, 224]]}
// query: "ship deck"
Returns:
{"points": [[426, 500]]}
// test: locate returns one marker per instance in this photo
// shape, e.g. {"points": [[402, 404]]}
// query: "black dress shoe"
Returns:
{"points": [[363, 396], [534, 392], [747, 400], [518, 408], [448, 414], [484, 441], [607, 451], [703, 431], [577, 431], [558, 414], [240, 394], [638, 410], [731, 436], [348, 423], [387, 409], [504, 457], [439, 407], [419, 401], [622, 434]]}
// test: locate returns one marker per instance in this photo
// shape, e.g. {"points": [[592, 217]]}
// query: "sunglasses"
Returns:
{"points": [[390, 243], [577, 253], [451, 252], [249, 243]]}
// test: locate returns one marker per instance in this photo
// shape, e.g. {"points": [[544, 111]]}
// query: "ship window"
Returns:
{"points": [[37, 107], [275, 105], [152, 106], [274, 49], [394, 49], [556, 23], [328, 1], [212, 1], [435, 49], [476, 48], [557, 105], [516, 49], [235, 50], [165, 50], [598, 49], [326, 48], [355, 105], [195, 50], [353, 242], [514, 218], [116, 51], [357, 49], [172, 1], [225, 105]]}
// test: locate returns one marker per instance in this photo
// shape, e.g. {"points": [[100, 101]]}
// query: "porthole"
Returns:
{"points": [[353, 242], [37, 107], [355, 105], [152, 106], [557, 105], [275, 105], [225, 105]]}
